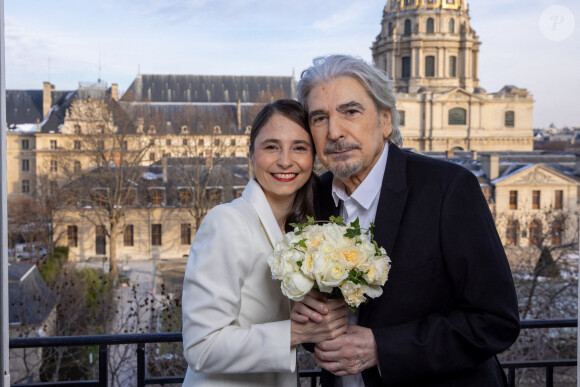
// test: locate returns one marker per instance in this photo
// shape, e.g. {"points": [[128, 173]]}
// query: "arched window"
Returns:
{"points": [[430, 26], [510, 119], [452, 66], [512, 232], [451, 26], [407, 27], [430, 66], [557, 232], [457, 116], [535, 233], [406, 66]]}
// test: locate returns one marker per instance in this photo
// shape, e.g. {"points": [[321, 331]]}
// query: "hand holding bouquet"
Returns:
{"points": [[335, 258]]}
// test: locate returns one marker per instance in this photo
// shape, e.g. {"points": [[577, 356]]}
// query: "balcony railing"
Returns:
{"points": [[105, 341]]}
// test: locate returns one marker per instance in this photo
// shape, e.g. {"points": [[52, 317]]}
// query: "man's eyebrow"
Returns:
{"points": [[315, 113], [349, 105]]}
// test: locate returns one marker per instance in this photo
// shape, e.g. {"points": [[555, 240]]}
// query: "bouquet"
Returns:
{"points": [[337, 259]]}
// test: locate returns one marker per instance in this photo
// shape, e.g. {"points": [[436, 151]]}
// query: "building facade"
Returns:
{"points": [[432, 54]]}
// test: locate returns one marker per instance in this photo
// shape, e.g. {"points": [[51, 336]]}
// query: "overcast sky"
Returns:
{"points": [[526, 43]]}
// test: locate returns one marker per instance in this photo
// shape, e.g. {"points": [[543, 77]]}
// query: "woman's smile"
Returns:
{"points": [[284, 177]]}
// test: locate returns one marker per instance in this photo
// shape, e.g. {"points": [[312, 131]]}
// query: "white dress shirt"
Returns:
{"points": [[362, 204]]}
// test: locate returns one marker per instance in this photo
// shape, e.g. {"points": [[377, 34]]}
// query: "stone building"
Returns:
{"points": [[430, 50]]}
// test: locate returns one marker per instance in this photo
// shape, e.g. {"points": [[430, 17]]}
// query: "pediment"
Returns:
{"points": [[536, 174], [458, 95]]}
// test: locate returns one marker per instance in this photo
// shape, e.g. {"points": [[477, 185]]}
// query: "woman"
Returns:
{"points": [[236, 326]]}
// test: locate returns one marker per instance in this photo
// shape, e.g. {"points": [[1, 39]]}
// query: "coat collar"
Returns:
{"points": [[254, 194]]}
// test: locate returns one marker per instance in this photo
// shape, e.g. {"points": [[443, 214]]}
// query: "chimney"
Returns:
{"points": [[450, 154], [239, 114], [474, 155], [115, 92], [46, 98], [490, 165]]}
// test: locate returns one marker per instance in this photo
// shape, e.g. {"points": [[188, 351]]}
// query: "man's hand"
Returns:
{"points": [[348, 354]]}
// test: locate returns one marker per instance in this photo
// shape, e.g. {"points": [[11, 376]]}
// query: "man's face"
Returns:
{"points": [[348, 133]]}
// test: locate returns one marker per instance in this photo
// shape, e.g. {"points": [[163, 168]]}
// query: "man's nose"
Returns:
{"points": [[335, 130]]}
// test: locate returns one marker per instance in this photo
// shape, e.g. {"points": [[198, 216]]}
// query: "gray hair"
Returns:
{"points": [[377, 84]]}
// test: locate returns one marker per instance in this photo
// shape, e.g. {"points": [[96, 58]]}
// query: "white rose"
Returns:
{"points": [[372, 291], [296, 285], [378, 271], [353, 294], [334, 274]]}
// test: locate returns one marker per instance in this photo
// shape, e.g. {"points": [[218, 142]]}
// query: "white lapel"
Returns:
{"points": [[254, 194]]}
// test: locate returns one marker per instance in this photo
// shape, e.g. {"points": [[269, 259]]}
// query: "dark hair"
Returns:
{"points": [[293, 110], [376, 82]]}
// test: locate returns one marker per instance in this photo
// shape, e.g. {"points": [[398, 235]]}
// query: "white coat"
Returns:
{"points": [[236, 327]]}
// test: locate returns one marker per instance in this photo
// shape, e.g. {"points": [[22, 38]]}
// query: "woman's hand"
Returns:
{"points": [[317, 319]]}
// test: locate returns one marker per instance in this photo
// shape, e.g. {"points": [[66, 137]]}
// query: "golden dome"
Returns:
{"points": [[402, 5]]}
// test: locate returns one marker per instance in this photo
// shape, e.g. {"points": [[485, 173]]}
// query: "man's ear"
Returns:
{"points": [[385, 122]]}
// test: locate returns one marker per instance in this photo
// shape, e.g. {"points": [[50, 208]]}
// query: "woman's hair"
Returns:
{"points": [[377, 84], [291, 109]]}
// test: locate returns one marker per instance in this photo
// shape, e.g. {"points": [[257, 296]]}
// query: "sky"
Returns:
{"points": [[532, 44]]}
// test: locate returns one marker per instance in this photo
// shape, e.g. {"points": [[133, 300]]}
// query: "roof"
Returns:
{"points": [[30, 298], [209, 88]]}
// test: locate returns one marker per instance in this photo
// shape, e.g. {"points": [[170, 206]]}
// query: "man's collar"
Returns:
{"points": [[370, 187]]}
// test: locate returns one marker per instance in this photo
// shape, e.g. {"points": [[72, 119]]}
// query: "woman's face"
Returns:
{"points": [[282, 158]]}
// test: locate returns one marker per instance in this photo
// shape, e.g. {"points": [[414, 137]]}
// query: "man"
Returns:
{"points": [[449, 305]]}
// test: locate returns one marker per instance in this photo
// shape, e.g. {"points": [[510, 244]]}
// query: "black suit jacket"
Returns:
{"points": [[449, 305]]}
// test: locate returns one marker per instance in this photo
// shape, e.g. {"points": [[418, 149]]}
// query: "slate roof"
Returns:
{"points": [[30, 299], [208, 88]]}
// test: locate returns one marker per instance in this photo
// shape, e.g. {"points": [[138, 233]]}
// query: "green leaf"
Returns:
{"points": [[352, 232], [299, 263], [294, 225], [356, 277], [371, 231], [337, 219], [309, 219], [301, 243], [355, 223], [377, 249]]}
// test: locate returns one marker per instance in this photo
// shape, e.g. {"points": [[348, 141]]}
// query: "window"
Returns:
{"points": [[401, 118], [233, 142], [451, 26], [512, 233], [510, 119], [214, 196], [128, 236], [53, 166], [430, 66], [77, 145], [513, 200], [152, 156], [168, 142], [100, 144], [406, 66], [457, 116], [184, 129], [26, 165], [535, 200], [156, 197], [185, 233], [430, 26], [559, 199], [452, 66], [407, 27], [409, 2], [77, 129], [53, 144], [535, 233], [156, 234], [217, 130], [452, 2], [100, 197], [72, 233], [390, 29], [25, 186], [77, 166], [557, 232], [124, 145], [100, 240], [185, 197], [216, 142], [25, 144], [185, 142], [200, 142]]}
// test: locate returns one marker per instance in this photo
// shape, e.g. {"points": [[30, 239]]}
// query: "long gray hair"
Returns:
{"points": [[377, 84]]}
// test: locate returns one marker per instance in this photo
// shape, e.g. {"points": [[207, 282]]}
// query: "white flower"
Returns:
{"points": [[378, 270], [353, 294], [333, 276], [296, 285]]}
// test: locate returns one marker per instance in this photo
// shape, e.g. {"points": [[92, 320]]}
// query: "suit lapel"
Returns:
{"points": [[392, 200], [255, 195]]}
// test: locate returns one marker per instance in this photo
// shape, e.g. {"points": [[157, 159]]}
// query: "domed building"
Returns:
{"points": [[430, 50]]}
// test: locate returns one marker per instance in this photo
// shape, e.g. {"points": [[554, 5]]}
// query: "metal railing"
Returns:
{"points": [[104, 341]]}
